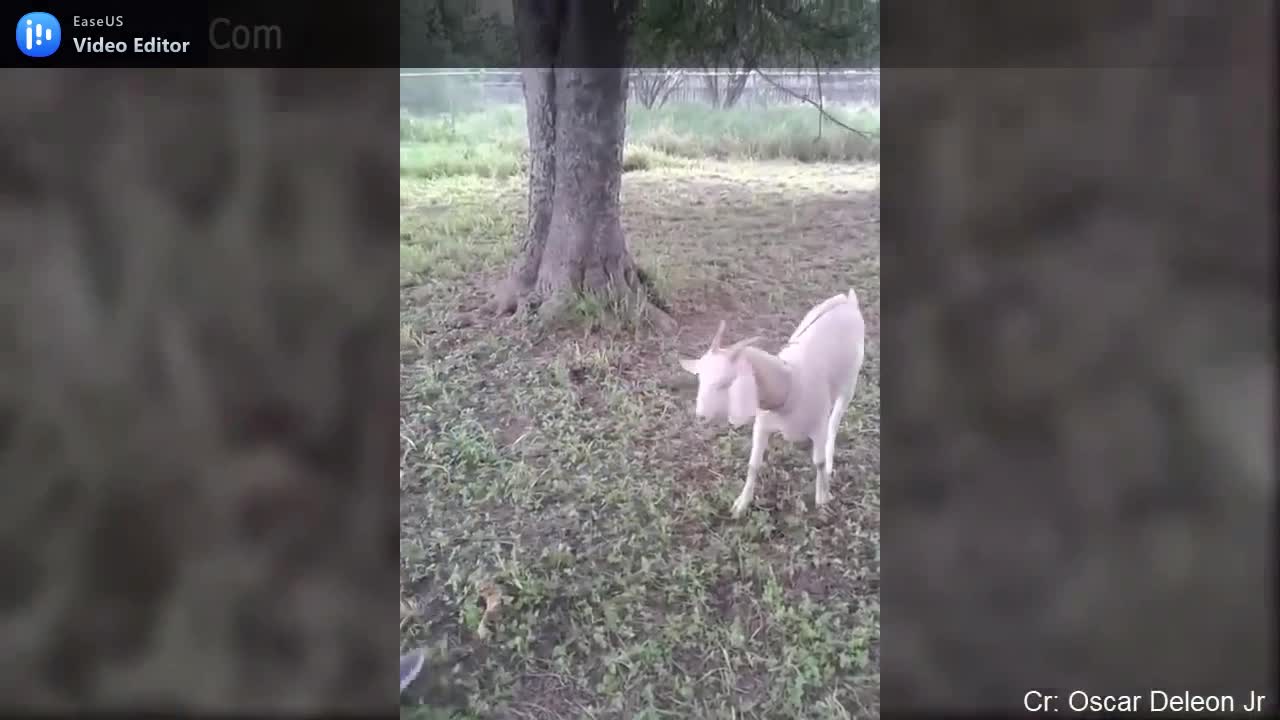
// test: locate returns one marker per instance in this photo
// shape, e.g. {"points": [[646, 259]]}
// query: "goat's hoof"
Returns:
{"points": [[739, 507], [822, 495]]}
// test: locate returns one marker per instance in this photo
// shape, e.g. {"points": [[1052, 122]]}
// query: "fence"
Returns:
{"points": [[444, 91]]}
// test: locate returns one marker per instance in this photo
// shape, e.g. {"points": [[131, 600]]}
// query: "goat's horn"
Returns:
{"points": [[715, 339], [743, 343]]}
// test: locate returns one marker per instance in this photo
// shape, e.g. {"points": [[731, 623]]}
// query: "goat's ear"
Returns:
{"points": [[773, 380], [690, 366], [736, 349], [410, 665], [715, 339]]}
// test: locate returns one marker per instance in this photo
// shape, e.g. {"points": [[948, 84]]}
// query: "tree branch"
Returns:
{"points": [[817, 74], [811, 101]]}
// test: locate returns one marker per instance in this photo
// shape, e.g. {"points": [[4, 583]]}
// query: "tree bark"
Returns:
{"points": [[540, 117], [1079, 445], [198, 403], [586, 249], [573, 240]]}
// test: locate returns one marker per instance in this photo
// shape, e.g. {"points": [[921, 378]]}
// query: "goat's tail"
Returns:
{"points": [[853, 296]]}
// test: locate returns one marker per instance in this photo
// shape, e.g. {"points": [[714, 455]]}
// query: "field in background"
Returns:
{"points": [[565, 542], [492, 142]]}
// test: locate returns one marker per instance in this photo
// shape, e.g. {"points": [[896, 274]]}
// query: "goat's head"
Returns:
{"points": [[717, 370]]}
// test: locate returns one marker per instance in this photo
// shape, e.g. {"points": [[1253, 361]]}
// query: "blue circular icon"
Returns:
{"points": [[39, 34]]}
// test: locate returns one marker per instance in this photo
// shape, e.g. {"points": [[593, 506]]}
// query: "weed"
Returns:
{"points": [[565, 541], [493, 143]]}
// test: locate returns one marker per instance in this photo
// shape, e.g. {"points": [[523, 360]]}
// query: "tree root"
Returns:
{"points": [[651, 291], [638, 300], [657, 310], [509, 295], [660, 316]]}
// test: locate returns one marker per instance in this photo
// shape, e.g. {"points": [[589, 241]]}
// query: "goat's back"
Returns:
{"points": [[829, 343], [821, 309]]}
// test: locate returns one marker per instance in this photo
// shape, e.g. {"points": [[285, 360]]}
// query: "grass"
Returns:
{"points": [[491, 143], [566, 545]]}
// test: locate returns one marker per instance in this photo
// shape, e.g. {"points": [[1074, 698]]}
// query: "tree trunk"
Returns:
{"points": [[676, 79], [711, 86], [647, 85], [733, 89], [540, 117], [586, 249], [573, 240]]}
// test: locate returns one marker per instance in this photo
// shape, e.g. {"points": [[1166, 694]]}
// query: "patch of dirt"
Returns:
{"points": [[608, 522]]}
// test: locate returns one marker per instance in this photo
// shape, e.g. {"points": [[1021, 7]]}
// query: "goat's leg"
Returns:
{"points": [[821, 484], [759, 441], [822, 495]]}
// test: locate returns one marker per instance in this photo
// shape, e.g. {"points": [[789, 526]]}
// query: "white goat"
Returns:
{"points": [[802, 392]]}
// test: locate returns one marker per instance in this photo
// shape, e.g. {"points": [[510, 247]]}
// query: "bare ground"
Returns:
{"points": [[566, 548]]}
